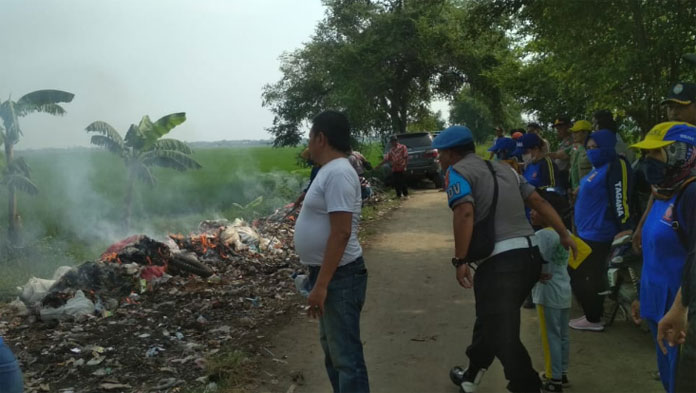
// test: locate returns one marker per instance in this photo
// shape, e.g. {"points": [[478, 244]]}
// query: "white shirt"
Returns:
{"points": [[335, 189]]}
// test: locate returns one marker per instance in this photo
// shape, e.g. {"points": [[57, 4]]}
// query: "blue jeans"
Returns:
{"points": [[10, 375], [554, 340], [339, 327]]}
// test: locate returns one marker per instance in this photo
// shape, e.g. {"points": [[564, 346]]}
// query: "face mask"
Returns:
{"points": [[600, 157], [527, 158], [655, 171]]}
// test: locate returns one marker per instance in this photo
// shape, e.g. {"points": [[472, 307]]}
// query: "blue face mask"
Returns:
{"points": [[655, 171], [600, 157]]}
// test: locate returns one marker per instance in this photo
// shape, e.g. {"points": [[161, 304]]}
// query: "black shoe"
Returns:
{"points": [[467, 379], [564, 379], [552, 385]]}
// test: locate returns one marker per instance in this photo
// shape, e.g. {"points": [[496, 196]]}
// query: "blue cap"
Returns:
{"points": [[453, 136], [530, 140], [685, 133], [527, 141], [504, 144]]}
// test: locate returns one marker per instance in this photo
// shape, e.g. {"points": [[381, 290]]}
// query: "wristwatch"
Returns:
{"points": [[456, 262]]}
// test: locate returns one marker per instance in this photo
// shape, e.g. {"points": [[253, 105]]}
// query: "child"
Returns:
{"points": [[552, 296]]}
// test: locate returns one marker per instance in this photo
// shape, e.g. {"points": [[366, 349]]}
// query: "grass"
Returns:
{"points": [[78, 212], [79, 209]]}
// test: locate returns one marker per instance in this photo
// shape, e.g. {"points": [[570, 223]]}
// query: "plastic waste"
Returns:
{"points": [[35, 290], [302, 284], [78, 305], [19, 307], [60, 272], [230, 237]]}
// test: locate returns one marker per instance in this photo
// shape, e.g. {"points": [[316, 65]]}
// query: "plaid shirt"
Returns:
{"points": [[398, 157]]}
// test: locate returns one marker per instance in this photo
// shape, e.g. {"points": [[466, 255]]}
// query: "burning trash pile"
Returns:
{"points": [[148, 314]]}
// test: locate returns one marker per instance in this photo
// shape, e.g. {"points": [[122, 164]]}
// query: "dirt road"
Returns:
{"points": [[417, 322]]}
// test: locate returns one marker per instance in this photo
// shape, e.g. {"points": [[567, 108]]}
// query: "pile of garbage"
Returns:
{"points": [[149, 314]]}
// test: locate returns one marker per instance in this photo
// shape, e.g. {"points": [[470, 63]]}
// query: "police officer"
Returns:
{"points": [[491, 232]]}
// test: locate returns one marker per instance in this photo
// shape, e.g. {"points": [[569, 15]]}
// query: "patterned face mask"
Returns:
{"points": [[681, 159]]}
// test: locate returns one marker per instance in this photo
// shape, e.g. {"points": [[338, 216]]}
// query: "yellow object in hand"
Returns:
{"points": [[584, 251]]}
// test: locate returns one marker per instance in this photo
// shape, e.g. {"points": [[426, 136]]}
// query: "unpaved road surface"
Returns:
{"points": [[417, 322]]}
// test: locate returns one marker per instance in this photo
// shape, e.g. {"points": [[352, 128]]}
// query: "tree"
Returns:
{"points": [[143, 148], [16, 174], [621, 55], [373, 60], [427, 122]]}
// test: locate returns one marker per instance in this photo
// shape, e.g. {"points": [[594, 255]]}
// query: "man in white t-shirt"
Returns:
{"points": [[326, 240]]}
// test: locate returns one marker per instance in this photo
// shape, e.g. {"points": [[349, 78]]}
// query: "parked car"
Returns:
{"points": [[422, 158]]}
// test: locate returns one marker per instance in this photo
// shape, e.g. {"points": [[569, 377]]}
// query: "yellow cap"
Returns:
{"points": [[581, 125], [654, 139]]}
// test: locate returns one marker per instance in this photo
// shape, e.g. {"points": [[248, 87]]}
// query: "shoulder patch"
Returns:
{"points": [[457, 186]]}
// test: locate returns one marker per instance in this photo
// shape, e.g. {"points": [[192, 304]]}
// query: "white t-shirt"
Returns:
{"points": [[335, 189]]}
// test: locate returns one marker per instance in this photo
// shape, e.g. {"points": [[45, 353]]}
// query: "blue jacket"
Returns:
{"points": [[602, 206], [542, 173]]}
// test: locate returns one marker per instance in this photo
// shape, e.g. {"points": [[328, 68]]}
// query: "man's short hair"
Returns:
{"points": [[464, 149], [335, 126], [559, 203], [605, 120]]}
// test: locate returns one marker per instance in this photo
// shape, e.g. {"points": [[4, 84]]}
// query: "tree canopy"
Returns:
{"points": [[384, 62]]}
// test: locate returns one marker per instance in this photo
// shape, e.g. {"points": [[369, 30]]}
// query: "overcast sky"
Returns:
{"points": [[127, 58]]}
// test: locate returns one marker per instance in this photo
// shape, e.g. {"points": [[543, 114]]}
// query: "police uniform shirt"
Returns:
{"points": [[470, 180]]}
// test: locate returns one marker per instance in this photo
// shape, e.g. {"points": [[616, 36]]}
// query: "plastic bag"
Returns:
{"points": [[35, 290], [78, 305]]}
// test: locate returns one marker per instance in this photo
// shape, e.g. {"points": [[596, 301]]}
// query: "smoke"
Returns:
{"points": [[81, 203]]}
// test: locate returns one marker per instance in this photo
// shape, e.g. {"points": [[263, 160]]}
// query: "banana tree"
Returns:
{"points": [[16, 174], [143, 148]]}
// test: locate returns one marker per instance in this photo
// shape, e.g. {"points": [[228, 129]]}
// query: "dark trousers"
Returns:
{"points": [[686, 378], [589, 279], [500, 286], [400, 184], [564, 179]]}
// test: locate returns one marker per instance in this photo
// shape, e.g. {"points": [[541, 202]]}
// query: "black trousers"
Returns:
{"points": [[400, 184], [589, 279], [500, 286]]}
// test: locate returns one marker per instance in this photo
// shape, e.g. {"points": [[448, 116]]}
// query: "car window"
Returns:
{"points": [[416, 141]]}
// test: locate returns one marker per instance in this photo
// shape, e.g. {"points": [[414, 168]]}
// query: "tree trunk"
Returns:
{"points": [[13, 224], [129, 202]]}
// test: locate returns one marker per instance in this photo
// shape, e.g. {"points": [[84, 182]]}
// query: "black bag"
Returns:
{"points": [[483, 237]]}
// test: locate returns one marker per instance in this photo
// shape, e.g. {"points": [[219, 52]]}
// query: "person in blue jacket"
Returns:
{"points": [[601, 213], [539, 170], [668, 233], [503, 148], [10, 374]]}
